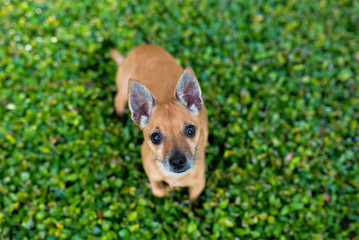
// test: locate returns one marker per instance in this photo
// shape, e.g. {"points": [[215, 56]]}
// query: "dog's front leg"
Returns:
{"points": [[196, 190], [159, 189]]}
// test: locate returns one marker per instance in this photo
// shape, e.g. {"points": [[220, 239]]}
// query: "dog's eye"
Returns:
{"points": [[190, 131], [156, 138]]}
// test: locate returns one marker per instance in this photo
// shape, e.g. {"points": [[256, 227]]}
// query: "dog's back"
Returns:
{"points": [[155, 68]]}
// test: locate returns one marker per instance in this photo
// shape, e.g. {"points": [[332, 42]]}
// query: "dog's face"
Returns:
{"points": [[172, 133], [171, 130]]}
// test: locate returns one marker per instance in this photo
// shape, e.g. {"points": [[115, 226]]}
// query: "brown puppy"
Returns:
{"points": [[166, 102]]}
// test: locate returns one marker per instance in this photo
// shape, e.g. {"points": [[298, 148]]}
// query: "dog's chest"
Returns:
{"points": [[178, 181]]}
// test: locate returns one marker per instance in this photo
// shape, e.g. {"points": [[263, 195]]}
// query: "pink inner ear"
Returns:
{"points": [[191, 96], [140, 111]]}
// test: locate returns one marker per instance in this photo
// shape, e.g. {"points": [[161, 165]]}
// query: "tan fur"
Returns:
{"points": [[159, 72]]}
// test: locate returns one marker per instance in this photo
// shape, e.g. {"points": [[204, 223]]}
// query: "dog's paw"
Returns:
{"points": [[162, 189], [159, 192]]}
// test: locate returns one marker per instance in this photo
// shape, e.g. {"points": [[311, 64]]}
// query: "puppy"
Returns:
{"points": [[166, 103]]}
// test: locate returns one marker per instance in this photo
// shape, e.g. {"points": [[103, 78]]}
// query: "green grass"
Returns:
{"points": [[281, 84]]}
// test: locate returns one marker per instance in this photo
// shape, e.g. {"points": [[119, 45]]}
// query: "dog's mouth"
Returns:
{"points": [[178, 170], [178, 163]]}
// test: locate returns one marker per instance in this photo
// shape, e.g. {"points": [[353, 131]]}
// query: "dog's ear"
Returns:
{"points": [[188, 91], [140, 101]]}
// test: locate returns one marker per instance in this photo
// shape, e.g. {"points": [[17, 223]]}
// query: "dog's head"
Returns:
{"points": [[171, 130]]}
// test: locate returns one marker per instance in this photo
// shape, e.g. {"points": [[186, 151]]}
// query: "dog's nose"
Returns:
{"points": [[178, 163]]}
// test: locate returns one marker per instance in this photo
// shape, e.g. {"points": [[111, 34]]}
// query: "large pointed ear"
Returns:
{"points": [[140, 101], [188, 91]]}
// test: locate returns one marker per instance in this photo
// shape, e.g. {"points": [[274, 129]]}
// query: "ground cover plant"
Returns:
{"points": [[280, 81]]}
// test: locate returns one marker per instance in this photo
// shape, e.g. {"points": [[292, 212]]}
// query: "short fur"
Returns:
{"points": [[164, 97]]}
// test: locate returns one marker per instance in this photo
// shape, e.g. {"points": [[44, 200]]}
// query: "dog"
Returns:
{"points": [[166, 102]]}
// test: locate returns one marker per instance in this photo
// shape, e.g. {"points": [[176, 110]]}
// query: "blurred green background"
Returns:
{"points": [[280, 81]]}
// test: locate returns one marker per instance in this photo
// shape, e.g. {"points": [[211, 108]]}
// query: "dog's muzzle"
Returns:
{"points": [[179, 163]]}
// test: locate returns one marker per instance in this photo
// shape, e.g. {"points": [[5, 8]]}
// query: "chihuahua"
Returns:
{"points": [[166, 103]]}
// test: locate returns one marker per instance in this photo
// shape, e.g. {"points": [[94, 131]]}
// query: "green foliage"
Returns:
{"points": [[280, 81]]}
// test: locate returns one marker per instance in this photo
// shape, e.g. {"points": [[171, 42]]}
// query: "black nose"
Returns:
{"points": [[178, 162]]}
